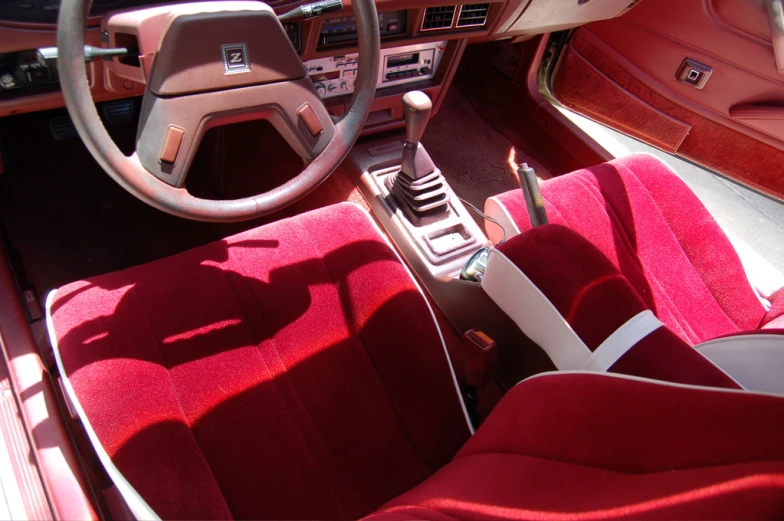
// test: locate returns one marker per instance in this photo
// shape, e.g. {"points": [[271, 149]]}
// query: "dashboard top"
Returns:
{"points": [[45, 11]]}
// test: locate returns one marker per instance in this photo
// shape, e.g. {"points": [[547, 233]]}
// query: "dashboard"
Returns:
{"points": [[46, 11], [421, 44]]}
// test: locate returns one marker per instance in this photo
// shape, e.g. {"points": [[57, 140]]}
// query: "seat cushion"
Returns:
{"points": [[292, 371], [644, 219], [596, 446]]}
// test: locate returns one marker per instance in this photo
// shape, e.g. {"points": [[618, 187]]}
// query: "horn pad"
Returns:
{"points": [[222, 50]]}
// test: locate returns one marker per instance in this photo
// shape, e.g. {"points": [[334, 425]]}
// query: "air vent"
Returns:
{"points": [[472, 15], [438, 18]]}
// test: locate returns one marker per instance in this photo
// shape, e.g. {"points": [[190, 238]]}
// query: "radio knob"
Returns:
{"points": [[7, 81], [343, 85], [332, 87], [320, 90]]}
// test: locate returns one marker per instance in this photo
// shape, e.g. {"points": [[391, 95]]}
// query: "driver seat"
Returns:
{"points": [[295, 371], [291, 371]]}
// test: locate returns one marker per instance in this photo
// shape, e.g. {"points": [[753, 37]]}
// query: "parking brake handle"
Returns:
{"points": [[532, 195]]}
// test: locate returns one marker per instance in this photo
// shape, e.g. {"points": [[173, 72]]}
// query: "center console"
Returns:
{"points": [[436, 235], [427, 221], [335, 75]]}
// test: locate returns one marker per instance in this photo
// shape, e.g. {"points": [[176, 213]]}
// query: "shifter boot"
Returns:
{"points": [[418, 188]]}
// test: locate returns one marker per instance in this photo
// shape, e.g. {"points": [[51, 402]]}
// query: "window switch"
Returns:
{"points": [[694, 73]]}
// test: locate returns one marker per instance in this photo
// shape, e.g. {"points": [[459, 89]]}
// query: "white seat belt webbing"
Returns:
{"points": [[623, 339]]}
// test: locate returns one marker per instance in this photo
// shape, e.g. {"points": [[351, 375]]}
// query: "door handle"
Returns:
{"points": [[765, 118], [776, 15]]}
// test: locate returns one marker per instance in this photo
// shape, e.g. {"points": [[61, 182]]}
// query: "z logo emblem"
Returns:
{"points": [[235, 58]]}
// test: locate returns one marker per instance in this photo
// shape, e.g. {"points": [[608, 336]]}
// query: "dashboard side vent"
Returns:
{"points": [[472, 15], [438, 18]]}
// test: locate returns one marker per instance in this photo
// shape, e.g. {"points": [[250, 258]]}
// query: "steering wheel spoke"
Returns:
{"points": [[171, 128]]}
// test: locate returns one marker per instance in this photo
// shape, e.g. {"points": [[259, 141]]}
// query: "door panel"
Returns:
{"points": [[598, 96], [735, 122], [748, 18]]}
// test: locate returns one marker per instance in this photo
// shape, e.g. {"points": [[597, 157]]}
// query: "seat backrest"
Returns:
{"points": [[658, 234], [292, 371]]}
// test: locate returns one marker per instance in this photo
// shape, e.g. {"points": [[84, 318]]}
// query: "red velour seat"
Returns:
{"points": [[656, 232], [295, 372], [292, 371]]}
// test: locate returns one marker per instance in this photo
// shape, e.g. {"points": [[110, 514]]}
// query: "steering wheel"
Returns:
{"points": [[216, 63]]}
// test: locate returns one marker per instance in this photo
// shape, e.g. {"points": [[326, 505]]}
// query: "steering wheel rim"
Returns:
{"points": [[128, 171]]}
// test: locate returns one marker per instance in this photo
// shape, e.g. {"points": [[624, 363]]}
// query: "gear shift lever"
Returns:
{"points": [[419, 188], [416, 111], [417, 107]]}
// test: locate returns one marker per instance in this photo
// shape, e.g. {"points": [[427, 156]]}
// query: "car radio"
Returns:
{"points": [[335, 76]]}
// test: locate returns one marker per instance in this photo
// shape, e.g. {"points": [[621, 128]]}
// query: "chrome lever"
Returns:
{"points": [[307, 11], [50, 54]]}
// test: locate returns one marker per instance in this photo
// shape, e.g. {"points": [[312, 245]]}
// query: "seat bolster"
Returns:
{"points": [[755, 359], [774, 318], [500, 208], [134, 501]]}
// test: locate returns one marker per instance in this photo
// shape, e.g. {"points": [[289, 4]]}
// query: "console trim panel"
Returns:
{"points": [[334, 76]]}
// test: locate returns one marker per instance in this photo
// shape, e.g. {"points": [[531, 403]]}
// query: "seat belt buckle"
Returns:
{"points": [[482, 358]]}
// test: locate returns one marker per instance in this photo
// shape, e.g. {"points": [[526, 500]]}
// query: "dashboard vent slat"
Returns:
{"points": [[472, 15], [438, 18]]}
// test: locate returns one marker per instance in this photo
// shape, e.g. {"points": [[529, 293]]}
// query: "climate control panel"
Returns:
{"points": [[335, 75]]}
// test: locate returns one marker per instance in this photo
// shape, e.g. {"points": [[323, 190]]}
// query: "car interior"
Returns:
{"points": [[353, 259]]}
